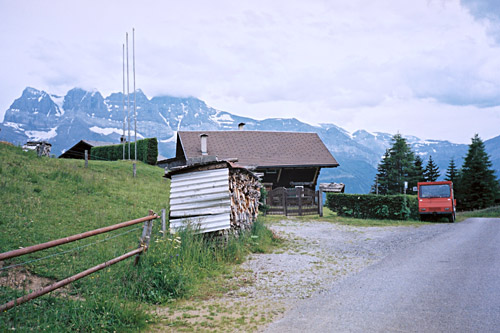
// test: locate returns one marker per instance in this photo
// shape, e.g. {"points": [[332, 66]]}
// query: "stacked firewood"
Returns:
{"points": [[244, 190]]}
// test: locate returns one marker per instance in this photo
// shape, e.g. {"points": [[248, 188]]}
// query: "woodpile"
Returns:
{"points": [[244, 190]]}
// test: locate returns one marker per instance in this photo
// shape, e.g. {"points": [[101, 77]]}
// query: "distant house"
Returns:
{"points": [[283, 159], [78, 150], [42, 148]]}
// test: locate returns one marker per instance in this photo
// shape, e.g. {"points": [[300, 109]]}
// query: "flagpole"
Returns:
{"points": [[128, 98], [135, 108], [123, 101]]}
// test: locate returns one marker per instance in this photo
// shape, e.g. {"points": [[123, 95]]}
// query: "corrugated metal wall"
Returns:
{"points": [[202, 199]]}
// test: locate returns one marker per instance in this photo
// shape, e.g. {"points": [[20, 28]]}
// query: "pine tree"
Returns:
{"points": [[381, 185], [452, 172], [396, 167], [418, 175], [478, 183], [431, 172]]}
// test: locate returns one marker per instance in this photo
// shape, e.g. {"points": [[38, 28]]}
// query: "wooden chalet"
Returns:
{"points": [[78, 150], [282, 159]]}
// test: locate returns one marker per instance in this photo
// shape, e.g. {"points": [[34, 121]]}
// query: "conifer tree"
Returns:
{"points": [[452, 172], [431, 172], [418, 171], [478, 183], [396, 167], [381, 180]]}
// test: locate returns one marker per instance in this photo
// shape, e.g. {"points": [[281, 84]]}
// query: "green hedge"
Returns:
{"points": [[394, 207], [147, 151]]}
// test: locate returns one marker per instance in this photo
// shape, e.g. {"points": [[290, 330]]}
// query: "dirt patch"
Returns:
{"points": [[21, 279]]}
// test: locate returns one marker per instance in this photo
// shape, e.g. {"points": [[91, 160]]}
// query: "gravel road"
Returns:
{"points": [[432, 278], [322, 253]]}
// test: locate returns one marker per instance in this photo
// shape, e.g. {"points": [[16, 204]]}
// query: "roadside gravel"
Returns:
{"points": [[320, 254], [316, 256]]}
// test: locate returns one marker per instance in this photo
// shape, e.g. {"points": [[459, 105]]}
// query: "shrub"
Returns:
{"points": [[147, 151], [263, 207], [396, 207], [175, 265]]}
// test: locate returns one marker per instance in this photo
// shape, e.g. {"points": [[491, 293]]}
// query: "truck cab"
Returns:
{"points": [[435, 200]]}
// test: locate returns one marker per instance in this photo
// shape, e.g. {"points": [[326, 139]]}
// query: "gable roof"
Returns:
{"points": [[259, 148], [77, 151]]}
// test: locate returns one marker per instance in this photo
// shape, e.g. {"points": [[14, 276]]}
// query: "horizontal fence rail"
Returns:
{"points": [[62, 283], [144, 243], [43, 246]]}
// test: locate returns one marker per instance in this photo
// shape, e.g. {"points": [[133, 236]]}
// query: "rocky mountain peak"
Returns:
{"points": [[83, 114]]}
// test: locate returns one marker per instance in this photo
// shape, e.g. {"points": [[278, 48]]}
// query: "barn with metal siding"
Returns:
{"points": [[206, 197]]}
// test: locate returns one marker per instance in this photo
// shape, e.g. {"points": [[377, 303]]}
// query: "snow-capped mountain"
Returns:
{"points": [[81, 114]]}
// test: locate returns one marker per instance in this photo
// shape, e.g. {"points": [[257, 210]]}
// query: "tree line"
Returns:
{"points": [[475, 183]]}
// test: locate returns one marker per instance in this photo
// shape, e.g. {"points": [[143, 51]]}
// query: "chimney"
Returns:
{"points": [[240, 126], [204, 139]]}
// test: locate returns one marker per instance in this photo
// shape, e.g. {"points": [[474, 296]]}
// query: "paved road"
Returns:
{"points": [[450, 283]]}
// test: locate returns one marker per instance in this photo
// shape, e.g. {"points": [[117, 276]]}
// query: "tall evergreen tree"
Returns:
{"points": [[452, 172], [396, 167], [419, 172], [381, 185], [431, 172], [478, 183]]}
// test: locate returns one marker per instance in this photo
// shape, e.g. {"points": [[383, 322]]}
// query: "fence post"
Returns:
{"points": [[285, 203], [135, 170], [86, 158], [299, 193], [163, 221], [145, 238], [320, 202]]}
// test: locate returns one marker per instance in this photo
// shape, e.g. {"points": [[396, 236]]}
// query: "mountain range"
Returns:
{"points": [[87, 115]]}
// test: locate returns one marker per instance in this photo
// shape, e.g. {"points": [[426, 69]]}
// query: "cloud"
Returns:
{"points": [[319, 61]]}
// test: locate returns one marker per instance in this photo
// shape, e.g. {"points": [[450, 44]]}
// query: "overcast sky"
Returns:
{"points": [[429, 68]]}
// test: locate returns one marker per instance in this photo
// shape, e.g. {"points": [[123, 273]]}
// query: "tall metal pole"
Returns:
{"points": [[123, 102], [135, 108], [128, 98]]}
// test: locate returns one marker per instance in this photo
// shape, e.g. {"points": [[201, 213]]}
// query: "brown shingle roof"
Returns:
{"points": [[260, 148]]}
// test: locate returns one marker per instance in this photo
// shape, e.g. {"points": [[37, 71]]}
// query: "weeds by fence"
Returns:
{"points": [[146, 234]]}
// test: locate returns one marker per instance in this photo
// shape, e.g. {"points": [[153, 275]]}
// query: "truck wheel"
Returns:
{"points": [[451, 218]]}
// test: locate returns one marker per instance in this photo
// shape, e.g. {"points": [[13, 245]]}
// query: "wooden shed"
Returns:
{"points": [[217, 196]]}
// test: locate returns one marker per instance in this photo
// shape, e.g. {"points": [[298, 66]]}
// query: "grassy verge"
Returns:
{"points": [[488, 212], [330, 216], [45, 199]]}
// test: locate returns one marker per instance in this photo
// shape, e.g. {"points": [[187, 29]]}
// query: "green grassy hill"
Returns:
{"points": [[44, 199]]}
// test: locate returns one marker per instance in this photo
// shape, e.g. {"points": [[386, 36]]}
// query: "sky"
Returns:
{"points": [[428, 68]]}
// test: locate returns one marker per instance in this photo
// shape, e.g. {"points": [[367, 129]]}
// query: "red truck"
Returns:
{"points": [[435, 199]]}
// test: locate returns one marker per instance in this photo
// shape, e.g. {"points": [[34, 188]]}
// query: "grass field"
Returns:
{"points": [[45, 199]]}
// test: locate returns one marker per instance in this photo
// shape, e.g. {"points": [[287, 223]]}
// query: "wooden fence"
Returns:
{"points": [[144, 243], [293, 202]]}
